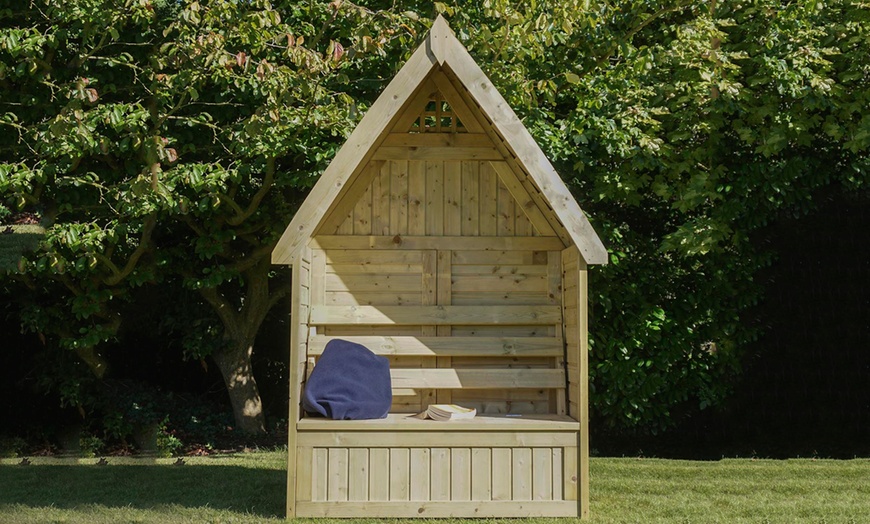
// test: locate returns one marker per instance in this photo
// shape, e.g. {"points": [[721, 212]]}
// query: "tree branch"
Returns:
{"points": [[259, 196], [144, 245]]}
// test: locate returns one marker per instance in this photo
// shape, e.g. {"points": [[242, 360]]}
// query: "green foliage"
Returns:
{"points": [[170, 142]]}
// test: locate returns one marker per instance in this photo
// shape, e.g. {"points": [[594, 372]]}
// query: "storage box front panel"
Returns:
{"points": [[440, 478]]}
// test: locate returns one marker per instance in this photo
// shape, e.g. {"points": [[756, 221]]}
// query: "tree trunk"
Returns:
{"points": [[234, 363]]}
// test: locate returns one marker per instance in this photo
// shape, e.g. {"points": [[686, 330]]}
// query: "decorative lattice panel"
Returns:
{"points": [[437, 117]]}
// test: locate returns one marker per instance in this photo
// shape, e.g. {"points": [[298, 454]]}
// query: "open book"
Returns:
{"points": [[447, 412]]}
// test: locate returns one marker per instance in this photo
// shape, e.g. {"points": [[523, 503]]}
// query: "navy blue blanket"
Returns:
{"points": [[349, 382]]}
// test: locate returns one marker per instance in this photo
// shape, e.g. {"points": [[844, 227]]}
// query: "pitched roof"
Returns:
{"points": [[440, 49]]}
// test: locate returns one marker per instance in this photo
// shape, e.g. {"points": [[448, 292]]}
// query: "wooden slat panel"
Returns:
{"points": [[497, 269], [420, 475], [521, 470], [304, 457], [542, 474], [505, 299], [470, 198], [319, 472], [384, 269], [337, 483], [362, 214], [347, 298], [435, 315], [481, 243], [399, 198], [445, 292], [571, 475], [431, 436], [419, 509], [430, 297], [460, 474], [440, 470], [358, 474], [481, 474], [477, 378], [505, 212], [558, 471], [437, 153], [453, 198], [400, 471], [437, 140], [450, 346], [379, 474], [500, 258], [524, 203], [501, 474], [434, 198], [416, 198], [506, 283], [371, 257], [488, 200], [383, 282], [381, 201]]}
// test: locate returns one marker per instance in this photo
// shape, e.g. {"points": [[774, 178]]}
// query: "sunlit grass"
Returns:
{"points": [[249, 488]]}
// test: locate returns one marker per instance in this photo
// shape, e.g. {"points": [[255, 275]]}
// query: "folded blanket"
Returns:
{"points": [[349, 382]]}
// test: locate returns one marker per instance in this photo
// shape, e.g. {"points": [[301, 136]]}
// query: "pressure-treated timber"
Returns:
{"points": [[450, 346], [444, 242], [435, 315]]}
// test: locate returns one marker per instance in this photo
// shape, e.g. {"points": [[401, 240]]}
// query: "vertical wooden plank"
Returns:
{"points": [[481, 474], [420, 474], [429, 297], [460, 474], [445, 293], [522, 224], [381, 201], [400, 470], [337, 483], [379, 474], [554, 296], [488, 200], [502, 462], [521, 474], [440, 470], [346, 226], [435, 198], [298, 325], [571, 479], [505, 225], [416, 197], [452, 198], [358, 474], [558, 471], [318, 277], [362, 213], [303, 469], [470, 198], [542, 474], [399, 197], [319, 474], [583, 437]]}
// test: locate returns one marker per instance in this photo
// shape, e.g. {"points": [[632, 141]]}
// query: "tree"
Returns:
{"points": [[164, 141]]}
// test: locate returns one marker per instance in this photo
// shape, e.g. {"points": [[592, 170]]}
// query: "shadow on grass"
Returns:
{"points": [[248, 490]]}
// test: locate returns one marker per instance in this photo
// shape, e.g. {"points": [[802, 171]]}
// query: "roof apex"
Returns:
{"points": [[440, 47]]}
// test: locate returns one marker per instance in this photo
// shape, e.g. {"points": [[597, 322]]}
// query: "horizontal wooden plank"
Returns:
{"points": [[437, 153], [450, 346], [435, 435], [537, 258], [499, 269], [370, 269], [347, 298], [512, 426], [399, 242], [477, 378], [506, 283], [437, 140], [374, 258], [439, 509], [435, 315], [383, 282]]}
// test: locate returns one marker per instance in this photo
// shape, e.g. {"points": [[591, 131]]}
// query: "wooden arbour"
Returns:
{"points": [[441, 237]]}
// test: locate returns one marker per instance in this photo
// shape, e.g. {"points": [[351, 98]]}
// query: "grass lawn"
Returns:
{"points": [[249, 488]]}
